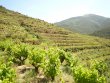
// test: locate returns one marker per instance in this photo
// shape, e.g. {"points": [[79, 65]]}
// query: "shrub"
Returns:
{"points": [[37, 57], [84, 75], [19, 53], [53, 64], [7, 74], [100, 66]]}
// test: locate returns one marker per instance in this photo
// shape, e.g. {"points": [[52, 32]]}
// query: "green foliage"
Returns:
{"points": [[62, 54], [84, 75], [7, 74], [71, 60], [6, 45], [93, 75], [37, 58], [53, 64], [100, 66], [19, 54], [47, 59]]}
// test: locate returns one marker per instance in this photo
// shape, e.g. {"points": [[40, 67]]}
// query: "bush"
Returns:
{"points": [[19, 53], [37, 57], [53, 64], [6, 45], [7, 74], [100, 66], [62, 54], [84, 75]]}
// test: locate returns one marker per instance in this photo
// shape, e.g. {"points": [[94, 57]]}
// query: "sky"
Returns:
{"points": [[57, 10]]}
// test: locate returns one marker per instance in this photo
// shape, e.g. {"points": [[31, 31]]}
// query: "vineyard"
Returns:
{"points": [[34, 51], [51, 61]]}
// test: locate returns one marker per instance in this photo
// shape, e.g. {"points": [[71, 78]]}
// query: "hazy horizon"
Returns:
{"points": [[57, 10]]}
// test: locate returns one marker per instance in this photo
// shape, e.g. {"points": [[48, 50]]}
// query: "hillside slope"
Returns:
{"points": [[86, 24], [35, 32], [105, 33]]}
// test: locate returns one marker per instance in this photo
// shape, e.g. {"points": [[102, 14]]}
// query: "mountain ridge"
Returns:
{"points": [[87, 24]]}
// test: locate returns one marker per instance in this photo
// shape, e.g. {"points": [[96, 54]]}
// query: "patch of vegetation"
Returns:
{"points": [[44, 51]]}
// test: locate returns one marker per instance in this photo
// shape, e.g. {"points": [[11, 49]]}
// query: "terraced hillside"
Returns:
{"points": [[21, 28], [26, 29], [76, 42]]}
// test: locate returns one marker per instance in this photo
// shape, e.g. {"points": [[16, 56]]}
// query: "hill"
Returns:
{"points": [[26, 29], [36, 34], [105, 33], [87, 24]]}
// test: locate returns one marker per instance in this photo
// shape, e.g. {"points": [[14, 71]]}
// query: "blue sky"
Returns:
{"points": [[57, 10]]}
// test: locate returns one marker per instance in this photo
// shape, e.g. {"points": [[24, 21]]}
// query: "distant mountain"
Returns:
{"points": [[105, 33], [87, 24]]}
